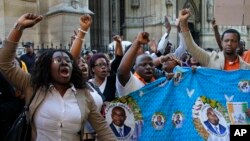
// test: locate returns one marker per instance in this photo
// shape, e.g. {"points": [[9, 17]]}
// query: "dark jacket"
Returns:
{"points": [[10, 106], [29, 60], [222, 129], [126, 131]]}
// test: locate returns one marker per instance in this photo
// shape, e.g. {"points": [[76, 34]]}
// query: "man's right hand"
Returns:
{"points": [[184, 14]]}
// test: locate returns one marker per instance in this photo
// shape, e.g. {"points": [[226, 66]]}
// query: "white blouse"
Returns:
{"points": [[58, 118]]}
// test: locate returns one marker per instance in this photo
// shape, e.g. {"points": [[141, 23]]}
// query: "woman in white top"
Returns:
{"points": [[61, 103]]}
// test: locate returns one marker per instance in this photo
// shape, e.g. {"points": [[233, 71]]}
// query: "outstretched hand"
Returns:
{"points": [[167, 24], [28, 20], [85, 22]]}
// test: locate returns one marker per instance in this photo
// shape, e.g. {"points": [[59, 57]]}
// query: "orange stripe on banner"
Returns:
{"points": [[230, 111], [230, 108]]}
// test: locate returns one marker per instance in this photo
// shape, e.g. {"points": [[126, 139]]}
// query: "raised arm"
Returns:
{"points": [[216, 33], [197, 52], [118, 45], [118, 53], [182, 45], [165, 38], [85, 23], [128, 60], [20, 79]]}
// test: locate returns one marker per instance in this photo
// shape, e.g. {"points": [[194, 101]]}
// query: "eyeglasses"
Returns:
{"points": [[101, 65], [58, 60]]}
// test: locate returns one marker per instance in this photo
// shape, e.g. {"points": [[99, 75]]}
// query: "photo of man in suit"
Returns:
{"points": [[117, 125], [159, 122], [178, 121], [212, 122]]}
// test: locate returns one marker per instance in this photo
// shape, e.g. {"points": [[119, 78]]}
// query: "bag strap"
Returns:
{"points": [[98, 90], [26, 106]]}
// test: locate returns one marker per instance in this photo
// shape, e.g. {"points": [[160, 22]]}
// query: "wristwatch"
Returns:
{"points": [[18, 27]]}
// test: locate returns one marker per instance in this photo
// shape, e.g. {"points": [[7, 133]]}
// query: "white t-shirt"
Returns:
{"points": [[132, 85]]}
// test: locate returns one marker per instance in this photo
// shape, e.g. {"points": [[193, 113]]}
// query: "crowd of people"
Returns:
{"points": [[70, 90]]}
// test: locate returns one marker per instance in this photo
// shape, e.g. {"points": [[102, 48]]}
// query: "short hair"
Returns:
{"points": [[142, 56], [93, 59], [28, 44], [231, 31], [119, 109]]}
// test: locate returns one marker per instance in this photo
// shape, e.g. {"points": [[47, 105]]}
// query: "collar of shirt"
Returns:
{"points": [[232, 65], [214, 126], [118, 128], [51, 87], [142, 79]]}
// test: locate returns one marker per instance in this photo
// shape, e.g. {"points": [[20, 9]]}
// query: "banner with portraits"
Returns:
{"points": [[196, 105]]}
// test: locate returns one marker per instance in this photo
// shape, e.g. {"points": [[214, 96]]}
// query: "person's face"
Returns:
{"points": [[61, 68], [145, 68], [178, 117], [168, 48], [244, 84], [169, 65], [159, 118], [212, 117], [82, 64], [87, 57], [118, 117], [29, 50], [101, 68], [230, 43]]}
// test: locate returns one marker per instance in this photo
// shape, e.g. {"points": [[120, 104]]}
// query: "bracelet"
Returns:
{"points": [[76, 37], [18, 27], [82, 31]]}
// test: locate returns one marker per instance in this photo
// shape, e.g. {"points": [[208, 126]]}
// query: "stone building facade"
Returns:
{"points": [[110, 17], [61, 18]]}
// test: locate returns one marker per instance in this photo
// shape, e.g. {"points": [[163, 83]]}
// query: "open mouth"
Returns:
{"points": [[64, 72], [149, 73], [84, 70]]}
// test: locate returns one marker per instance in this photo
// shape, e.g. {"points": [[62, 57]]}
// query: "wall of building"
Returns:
{"points": [[61, 19]]}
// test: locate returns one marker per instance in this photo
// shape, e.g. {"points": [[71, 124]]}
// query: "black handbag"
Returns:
{"points": [[21, 129]]}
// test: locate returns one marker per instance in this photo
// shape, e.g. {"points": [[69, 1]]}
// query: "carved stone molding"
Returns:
{"points": [[135, 3]]}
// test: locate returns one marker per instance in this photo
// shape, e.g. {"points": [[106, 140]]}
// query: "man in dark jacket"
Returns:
{"points": [[30, 57], [118, 127]]}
